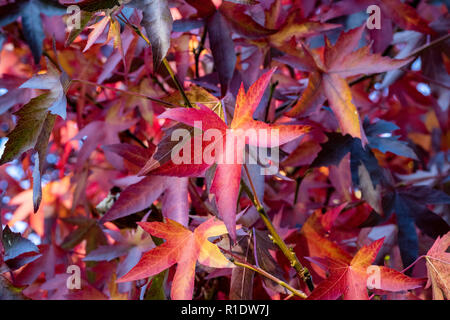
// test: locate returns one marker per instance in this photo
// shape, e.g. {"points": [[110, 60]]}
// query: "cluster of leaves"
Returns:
{"points": [[87, 115]]}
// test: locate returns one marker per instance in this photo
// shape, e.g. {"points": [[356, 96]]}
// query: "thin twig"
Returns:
{"points": [[429, 45], [177, 83], [296, 292], [276, 238], [264, 273]]}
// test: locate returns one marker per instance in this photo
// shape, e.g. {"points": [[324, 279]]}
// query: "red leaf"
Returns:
{"points": [[351, 279], [182, 247], [329, 80], [226, 183], [141, 195]]}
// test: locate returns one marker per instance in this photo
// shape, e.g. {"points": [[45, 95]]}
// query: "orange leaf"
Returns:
{"points": [[183, 247]]}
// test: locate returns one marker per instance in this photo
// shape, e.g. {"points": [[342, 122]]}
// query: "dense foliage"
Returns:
{"points": [[95, 205]]}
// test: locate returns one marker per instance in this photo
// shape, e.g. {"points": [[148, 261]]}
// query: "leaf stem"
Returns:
{"points": [[177, 83], [296, 292], [413, 264], [264, 273], [276, 238], [429, 45]]}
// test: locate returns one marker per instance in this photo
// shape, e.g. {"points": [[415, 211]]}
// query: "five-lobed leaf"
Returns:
{"points": [[350, 279], [327, 81], [183, 247], [226, 181]]}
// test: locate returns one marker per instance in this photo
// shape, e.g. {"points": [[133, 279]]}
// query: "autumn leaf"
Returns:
{"points": [[101, 132], [254, 249], [131, 244], [312, 240], [18, 251], [365, 171], [410, 207], [247, 2], [438, 266], [30, 11], [327, 79], [32, 118], [15, 245], [157, 21], [298, 28], [51, 258], [97, 30], [403, 14], [242, 22], [161, 160], [346, 143], [226, 182], [95, 5], [84, 20], [184, 248], [35, 123], [350, 280], [9, 292], [140, 195], [87, 229], [221, 46]]}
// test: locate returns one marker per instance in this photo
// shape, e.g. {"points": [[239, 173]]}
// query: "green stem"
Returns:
{"points": [[177, 83], [262, 272], [296, 292], [298, 182], [288, 252]]}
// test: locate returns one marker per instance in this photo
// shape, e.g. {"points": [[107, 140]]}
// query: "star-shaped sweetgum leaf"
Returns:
{"points": [[183, 247], [327, 78], [228, 155], [350, 280]]}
